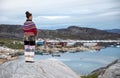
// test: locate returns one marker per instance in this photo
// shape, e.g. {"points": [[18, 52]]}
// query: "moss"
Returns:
{"points": [[9, 43], [15, 46], [90, 76]]}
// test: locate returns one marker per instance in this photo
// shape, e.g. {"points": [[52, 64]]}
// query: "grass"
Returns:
{"points": [[90, 76], [10, 43]]}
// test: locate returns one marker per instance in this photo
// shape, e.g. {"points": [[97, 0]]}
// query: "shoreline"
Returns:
{"points": [[111, 70], [7, 54], [66, 49], [7, 60], [3, 60], [98, 72]]}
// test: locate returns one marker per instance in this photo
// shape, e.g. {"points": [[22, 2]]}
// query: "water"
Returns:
{"points": [[85, 62]]}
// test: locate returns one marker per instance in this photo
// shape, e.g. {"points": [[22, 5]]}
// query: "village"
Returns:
{"points": [[52, 46], [55, 47]]}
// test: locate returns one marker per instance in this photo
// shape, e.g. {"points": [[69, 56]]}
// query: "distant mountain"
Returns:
{"points": [[72, 32], [11, 31], [114, 31]]}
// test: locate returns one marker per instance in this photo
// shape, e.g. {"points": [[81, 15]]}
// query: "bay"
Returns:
{"points": [[85, 62]]}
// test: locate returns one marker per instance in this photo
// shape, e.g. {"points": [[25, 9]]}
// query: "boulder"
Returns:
{"points": [[112, 71], [38, 69]]}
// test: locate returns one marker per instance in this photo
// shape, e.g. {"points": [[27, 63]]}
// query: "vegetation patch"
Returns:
{"points": [[10, 43], [90, 76]]}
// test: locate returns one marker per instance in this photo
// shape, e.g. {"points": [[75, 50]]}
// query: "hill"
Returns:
{"points": [[11, 31], [114, 31], [72, 32]]}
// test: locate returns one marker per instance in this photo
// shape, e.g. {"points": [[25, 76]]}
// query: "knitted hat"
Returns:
{"points": [[28, 14]]}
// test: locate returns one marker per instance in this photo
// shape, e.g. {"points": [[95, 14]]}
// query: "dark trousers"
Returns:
{"points": [[29, 40]]}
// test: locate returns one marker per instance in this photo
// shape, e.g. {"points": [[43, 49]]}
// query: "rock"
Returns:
{"points": [[3, 56], [2, 61], [111, 71], [38, 69]]}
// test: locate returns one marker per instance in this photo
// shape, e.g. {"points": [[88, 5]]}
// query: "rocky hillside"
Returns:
{"points": [[38, 69], [110, 71], [11, 31], [72, 32], [114, 31]]}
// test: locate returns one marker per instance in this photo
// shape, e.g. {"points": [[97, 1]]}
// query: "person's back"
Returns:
{"points": [[30, 32], [29, 28]]}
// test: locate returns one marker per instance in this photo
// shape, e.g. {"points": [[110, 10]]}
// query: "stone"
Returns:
{"points": [[38, 69], [113, 71]]}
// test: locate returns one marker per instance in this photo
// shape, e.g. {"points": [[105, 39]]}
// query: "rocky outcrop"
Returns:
{"points": [[114, 31], [38, 69], [7, 54], [112, 71]]}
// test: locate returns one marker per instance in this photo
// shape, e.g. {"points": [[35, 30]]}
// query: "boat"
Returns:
{"points": [[118, 46], [45, 53], [39, 53], [71, 51]]}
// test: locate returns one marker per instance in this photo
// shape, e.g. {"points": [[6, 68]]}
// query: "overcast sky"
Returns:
{"points": [[54, 14]]}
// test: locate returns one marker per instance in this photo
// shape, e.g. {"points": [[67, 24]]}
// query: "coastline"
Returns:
{"points": [[96, 73], [8, 54], [70, 49], [15, 56], [111, 70]]}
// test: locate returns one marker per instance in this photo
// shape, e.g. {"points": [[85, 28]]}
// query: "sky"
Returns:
{"points": [[55, 14]]}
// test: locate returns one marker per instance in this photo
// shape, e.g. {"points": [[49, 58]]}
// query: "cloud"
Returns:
{"points": [[92, 13], [110, 13], [55, 17]]}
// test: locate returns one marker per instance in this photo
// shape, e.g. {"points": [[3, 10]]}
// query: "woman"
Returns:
{"points": [[30, 32]]}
